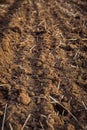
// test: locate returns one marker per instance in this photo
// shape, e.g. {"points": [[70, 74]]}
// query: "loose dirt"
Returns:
{"points": [[43, 64]]}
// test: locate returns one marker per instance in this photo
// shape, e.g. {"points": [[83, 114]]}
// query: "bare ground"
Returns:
{"points": [[43, 65]]}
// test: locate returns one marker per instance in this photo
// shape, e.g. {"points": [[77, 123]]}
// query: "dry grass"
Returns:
{"points": [[84, 105], [55, 101], [11, 128], [42, 125], [26, 121], [4, 117]]}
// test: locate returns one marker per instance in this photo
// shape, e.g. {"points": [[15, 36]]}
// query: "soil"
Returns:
{"points": [[43, 64]]}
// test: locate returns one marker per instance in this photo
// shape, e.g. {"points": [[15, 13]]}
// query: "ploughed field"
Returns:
{"points": [[43, 64]]}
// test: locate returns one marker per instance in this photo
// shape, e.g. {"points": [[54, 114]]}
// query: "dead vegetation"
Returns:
{"points": [[43, 65]]}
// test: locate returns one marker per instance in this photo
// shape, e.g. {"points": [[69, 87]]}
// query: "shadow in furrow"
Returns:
{"points": [[4, 22]]}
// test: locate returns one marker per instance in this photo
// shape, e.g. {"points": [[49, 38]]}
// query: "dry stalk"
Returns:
{"points": [[75, 39], [50, 125], [43, 22], [32, 47], [84, 39], [58, 86], [11, 128], [3, 122], [76, 55], [26, 122], [84, 105], [63, 107], [43, 116], [67, 111], [5, 86], [41, 125]]}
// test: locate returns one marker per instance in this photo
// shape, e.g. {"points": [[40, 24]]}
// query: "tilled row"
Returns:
{"points": [[43, 66]]}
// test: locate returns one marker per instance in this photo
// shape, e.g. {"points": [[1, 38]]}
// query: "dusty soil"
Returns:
{"points": [[43, 64]]}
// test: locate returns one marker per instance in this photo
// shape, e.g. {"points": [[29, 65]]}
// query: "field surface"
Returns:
{"points": [[43, 64]]}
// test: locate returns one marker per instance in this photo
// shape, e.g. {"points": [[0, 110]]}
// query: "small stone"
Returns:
{"points": [[40, 72], [24, 98], [43, 57], [8, 1], [51, 121], [39, 63], [32, 94], [38, 100], [1, 113], [30, 88], [70, 127]]}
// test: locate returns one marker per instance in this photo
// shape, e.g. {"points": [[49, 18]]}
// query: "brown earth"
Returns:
{"points": [[43, 64]]}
